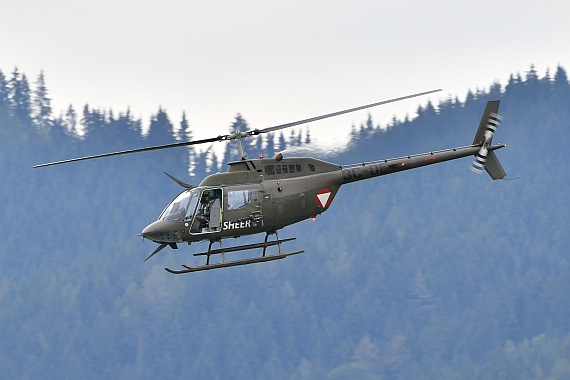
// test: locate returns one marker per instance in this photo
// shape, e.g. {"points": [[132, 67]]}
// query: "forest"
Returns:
{"points": [[435, 273]]}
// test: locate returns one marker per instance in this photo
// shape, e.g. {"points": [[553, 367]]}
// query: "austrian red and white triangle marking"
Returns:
{"points": [[324, 198]]}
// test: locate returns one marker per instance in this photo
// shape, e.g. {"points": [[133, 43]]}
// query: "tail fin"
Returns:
{"points": [[489, 121], [485, 157]]}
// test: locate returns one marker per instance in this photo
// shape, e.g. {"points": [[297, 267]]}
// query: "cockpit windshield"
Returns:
{"points": [[182, 207]]}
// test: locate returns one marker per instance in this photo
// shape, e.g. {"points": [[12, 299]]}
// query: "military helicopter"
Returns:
{"points": [[267, 194]]}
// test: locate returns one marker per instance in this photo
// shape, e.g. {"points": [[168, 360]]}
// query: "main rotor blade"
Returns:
{"points": [[166, 146], [277, 127], [237, 135]]}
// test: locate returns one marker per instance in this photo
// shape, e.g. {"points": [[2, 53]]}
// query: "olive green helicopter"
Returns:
{"points": [[264, 195]]}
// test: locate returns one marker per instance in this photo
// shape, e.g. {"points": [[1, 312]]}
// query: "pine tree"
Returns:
{"points": [[561, 87], [560, 77], [258, 145], [70, 120], [282, 143], [532, 84], [367, 356], [426, 113], [92, 121], [20, 97], [232, 150], [495, 91], [239, 124], [369, 124], [184, 133], [41, 110], [4, 91], [396, 356], [215, 163], [122, 131], [421, 296], [161, 129], [270, 145]]}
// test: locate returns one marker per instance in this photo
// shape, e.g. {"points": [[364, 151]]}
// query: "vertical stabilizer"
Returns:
{"points": [[485, 157]]}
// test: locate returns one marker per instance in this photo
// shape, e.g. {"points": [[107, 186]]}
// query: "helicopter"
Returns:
{"points": [[264, 195]]}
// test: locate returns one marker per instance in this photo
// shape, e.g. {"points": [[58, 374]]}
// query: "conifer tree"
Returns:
{"points": [[20, 97], [215, 163], [41, 105], [92, 120], [282, 145], [70, 120], [270, 145], [366, 356], [239, 124], [184, 133], [560, 77], [257, 146], [561, 87], [369, 124], [232, 151], [161, 129], [308, 137], [3, 90]]}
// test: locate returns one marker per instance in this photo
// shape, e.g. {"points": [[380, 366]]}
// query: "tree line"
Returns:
{"points": [[429, 274], [31, 107]]}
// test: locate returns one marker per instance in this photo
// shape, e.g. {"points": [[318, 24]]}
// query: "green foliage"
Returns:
{"points": [[430, 274]]}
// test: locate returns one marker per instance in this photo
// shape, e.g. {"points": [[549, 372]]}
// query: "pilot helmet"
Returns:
{"points": [[208, 193]]}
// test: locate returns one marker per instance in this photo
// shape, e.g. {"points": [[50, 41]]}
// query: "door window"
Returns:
{"points": [[239, 198]]}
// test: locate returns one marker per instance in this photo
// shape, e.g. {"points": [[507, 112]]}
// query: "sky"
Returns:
{"points": [[276, 61]]}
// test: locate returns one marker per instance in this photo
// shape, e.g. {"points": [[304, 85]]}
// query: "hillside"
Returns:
{"points": [[434, 273]]}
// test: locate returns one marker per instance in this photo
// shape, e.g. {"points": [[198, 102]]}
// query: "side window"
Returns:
{"points": [[241, 197], [312, 167], [277, 169], [269, 170], [291, 168]]}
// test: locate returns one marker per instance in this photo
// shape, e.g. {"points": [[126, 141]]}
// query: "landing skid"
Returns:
{"points": [[233, 263], [251, 260]]}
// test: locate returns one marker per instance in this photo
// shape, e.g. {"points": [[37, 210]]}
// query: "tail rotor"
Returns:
{"points": [[493, 123], [485, 158]]}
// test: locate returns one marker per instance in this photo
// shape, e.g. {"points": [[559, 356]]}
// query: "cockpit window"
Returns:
{"points": [[182, 207]]}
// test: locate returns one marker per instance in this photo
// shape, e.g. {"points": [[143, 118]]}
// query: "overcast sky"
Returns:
{"points": [[275, 61]]}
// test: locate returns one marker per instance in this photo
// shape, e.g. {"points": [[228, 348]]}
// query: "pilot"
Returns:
{"points": [[206, 202]]}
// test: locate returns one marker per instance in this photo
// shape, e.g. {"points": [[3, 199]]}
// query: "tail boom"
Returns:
{"points": [[365, 170]]}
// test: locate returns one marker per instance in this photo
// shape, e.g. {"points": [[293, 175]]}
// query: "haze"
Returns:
{"points": [[275, 62]]}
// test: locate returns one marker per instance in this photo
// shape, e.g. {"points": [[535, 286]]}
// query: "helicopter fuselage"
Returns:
{"points": [[261, 195], [265, 195]]}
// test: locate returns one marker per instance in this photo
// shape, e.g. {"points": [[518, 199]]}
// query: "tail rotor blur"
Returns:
{"points": [[485, 158], [493, 123]]}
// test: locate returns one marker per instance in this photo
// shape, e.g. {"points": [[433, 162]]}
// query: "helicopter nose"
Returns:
{"points": [[159, 232], [151, 231]]}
